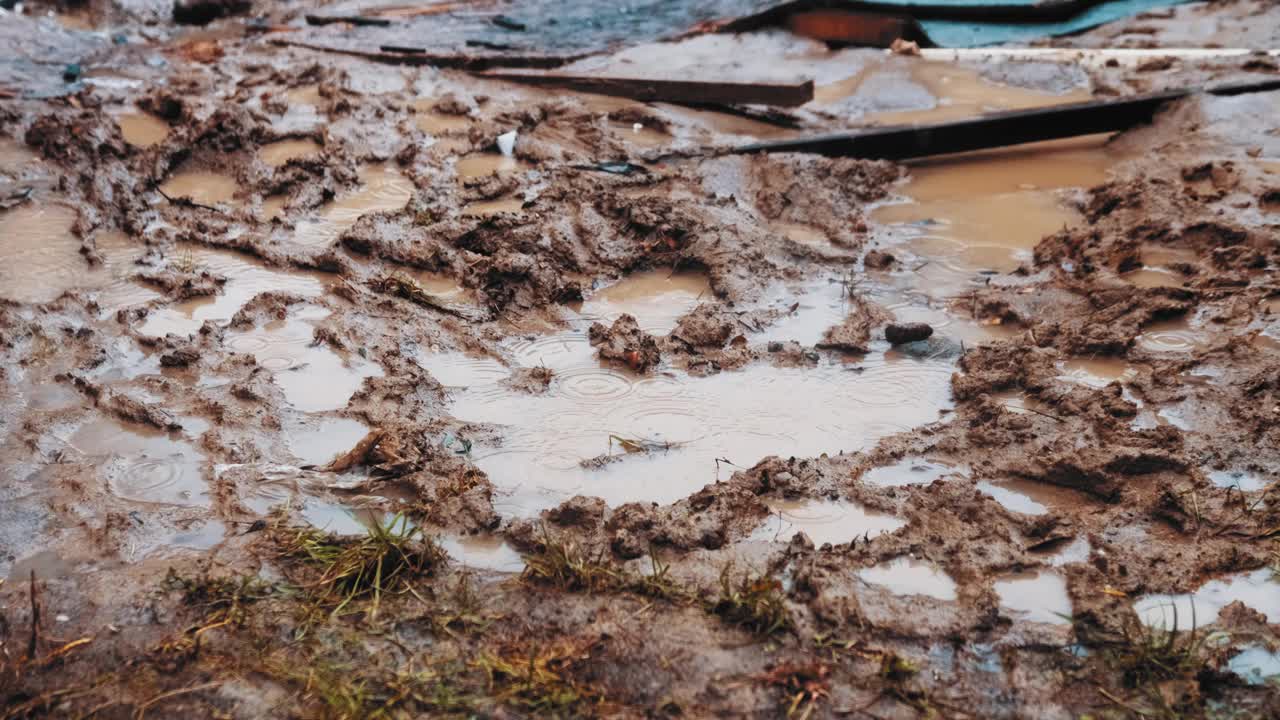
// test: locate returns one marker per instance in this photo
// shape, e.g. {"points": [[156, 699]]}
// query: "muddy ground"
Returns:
{"points": [[317, 405]]}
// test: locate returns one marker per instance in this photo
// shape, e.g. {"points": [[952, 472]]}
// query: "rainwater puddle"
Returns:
{"points": [[908, 576], [39, 256], [434, 123], [1036, 596], [986, 211], [1256, 665], [1096, 372], [1237, 479], [1075, 551], [459, 370], [279, 153], [382, 188], [340, 519], [824, 521], [142, 130], [482, 552], [481, 165], [1170, 336], [143, 464], [694, 425], [959, 92], [317, 443], [314, 378], [1258, 590], [201, 186], [1154, 277], [246, 277], [493, 207], [1027, 496], [910, 471], [40, 259]]}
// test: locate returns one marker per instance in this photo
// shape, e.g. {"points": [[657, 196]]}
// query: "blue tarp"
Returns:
{"points": [[961, 34]]}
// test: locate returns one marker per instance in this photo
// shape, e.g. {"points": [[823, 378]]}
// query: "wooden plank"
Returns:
{"points": [[675, 91], [903, 142]]}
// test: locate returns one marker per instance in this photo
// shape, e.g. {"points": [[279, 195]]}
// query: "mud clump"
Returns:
{"points": [[854, 334], [625, 342], [901, 333]]}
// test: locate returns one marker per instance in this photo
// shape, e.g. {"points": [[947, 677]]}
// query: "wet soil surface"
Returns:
{"points": [[319, 404]]}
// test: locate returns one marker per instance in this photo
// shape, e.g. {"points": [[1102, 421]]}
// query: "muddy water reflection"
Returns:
{"points": [[739, 416], [986, 211], [200, 186], [279, 153], [824, 521], [1258, 590], [143, 464], [1036, 597], [381, 188], [313, 377], [908, 576], [246, 277], [141, 129]]}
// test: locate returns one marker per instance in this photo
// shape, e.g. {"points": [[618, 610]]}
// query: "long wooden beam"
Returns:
{"points": [[1015, 127], [674, 91]]}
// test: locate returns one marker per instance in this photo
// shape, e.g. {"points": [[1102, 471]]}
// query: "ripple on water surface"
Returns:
{"points": [[246, 277], [313, 377], [143, 464], [695, 427]]}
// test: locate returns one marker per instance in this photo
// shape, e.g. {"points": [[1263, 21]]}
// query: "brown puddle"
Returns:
{"points": [[279, 153], [141, 129], [1039, 596], [1257, 589], [382, 188], [908, 576], [434, 123], [143, 464], [313, 377], [1095, 372], [911, 471], [246, 277], [482, 553], [480, 165], [823, 521], [1174, 335], [317, 443], [960, 93], [986, 211], [1029, 497], [200, 186], [39, 256], [493, 207], [692, 424]]}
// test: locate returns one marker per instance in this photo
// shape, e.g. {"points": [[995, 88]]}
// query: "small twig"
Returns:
{"points": [[142, 709], [35, 620], [185, 201], [1015, 407]]}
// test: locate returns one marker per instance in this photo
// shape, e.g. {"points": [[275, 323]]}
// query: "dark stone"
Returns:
{"points": [[898, 334], [203, 12]]}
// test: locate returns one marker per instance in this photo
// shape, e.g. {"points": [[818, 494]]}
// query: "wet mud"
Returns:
{"points": [[319, 404]]}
